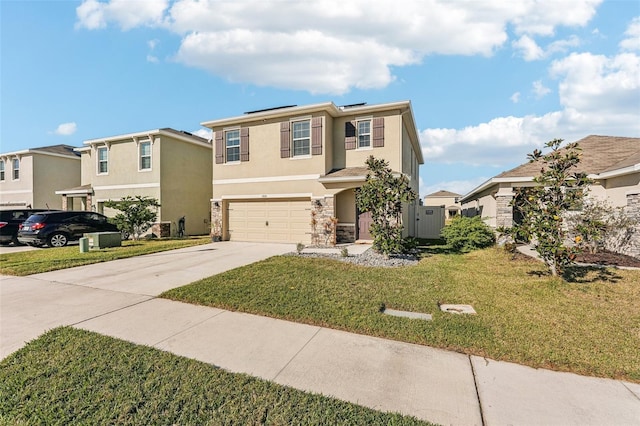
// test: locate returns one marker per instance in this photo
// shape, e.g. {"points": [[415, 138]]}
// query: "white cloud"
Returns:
{"points": [[539, 90], [632, 42], [152, 59], [598, 94], [153, 43], [66, 129], [94, 14], [526, 47], [515, 98], [273, 43], [203, 133]]}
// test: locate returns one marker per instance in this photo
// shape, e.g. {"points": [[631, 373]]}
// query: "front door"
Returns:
{"points": [[364, 223]]}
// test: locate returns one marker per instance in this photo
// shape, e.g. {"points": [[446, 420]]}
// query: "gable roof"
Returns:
{"points": [[599, 154], [60, 150], [601, 157], [443, 193]]}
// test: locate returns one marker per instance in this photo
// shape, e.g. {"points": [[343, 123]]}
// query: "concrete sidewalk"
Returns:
{"points": [[431, 384]]}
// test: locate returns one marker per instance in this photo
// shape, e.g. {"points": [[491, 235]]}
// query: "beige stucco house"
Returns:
{"points": [[172, 166], [450, 201], [613, 163], [288, 174], [29, 178]]}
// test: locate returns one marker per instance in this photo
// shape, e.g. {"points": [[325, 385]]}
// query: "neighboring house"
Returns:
{"points": [[29, 178], [283, 174], [450, 201], [613, 163], [172, 166]]}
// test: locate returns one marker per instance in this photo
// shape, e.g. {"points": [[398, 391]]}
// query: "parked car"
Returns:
{"points": [[10, 221], [57, 228]]}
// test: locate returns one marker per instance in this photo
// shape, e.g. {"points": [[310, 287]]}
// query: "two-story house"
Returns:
{"points": [[448, 199], [286, 174], [172, 166], [29, 178]]}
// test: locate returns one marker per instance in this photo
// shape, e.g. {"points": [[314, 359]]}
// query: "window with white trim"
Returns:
{"points": [[301, 138], [232, 145], [1, 170], [16, 169], [145, 155], [364, 133], [103, 160]]}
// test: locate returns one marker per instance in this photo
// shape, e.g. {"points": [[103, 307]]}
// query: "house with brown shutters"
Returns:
{"points": [[290, 174], [169, 165], [612, 162]]}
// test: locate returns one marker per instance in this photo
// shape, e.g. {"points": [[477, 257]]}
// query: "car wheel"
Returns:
{"points": [[125, 235], [16, 242], [57, 239]]}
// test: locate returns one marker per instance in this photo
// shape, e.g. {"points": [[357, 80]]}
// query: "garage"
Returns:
{"points": [[283, 221]]}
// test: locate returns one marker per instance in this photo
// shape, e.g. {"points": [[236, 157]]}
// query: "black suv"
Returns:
{"points": [[57, 228], [10, 220]]}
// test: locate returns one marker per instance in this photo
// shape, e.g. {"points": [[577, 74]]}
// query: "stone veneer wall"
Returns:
{"points": [[216, 218], [346, 232], [633, 210], [161, 229], [504, 212], [323, 233]]}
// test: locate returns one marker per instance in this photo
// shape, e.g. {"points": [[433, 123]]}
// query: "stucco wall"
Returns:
{"points": [[19, 192], [617, 188], [50, 174], [186, 185]]}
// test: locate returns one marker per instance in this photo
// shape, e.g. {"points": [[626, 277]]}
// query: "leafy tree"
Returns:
{"points": [[600, 225], [468, 233], [383, 194], [137, 215], [559, 188]]}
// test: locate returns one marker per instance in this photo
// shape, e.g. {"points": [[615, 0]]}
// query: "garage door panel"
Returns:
{"points": [[278, 221]]}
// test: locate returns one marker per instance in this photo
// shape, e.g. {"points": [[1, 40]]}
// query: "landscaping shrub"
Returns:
{"points": [[468, 233]]}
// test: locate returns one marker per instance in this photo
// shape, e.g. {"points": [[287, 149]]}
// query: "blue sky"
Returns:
{"points": [[489, 80]]}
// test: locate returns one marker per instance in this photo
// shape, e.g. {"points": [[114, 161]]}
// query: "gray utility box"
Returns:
{"points": [[100, 240]]}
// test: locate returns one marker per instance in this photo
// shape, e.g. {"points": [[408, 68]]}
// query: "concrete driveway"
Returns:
{"points": [[31, 305]]}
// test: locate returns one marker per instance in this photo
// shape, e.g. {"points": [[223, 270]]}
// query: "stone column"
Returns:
{"points": [[633, 211], [323, 222], [504, 211], [216, 219], [64, 202]]}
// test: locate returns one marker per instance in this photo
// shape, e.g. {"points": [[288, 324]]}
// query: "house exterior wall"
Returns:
{"points": [[484, 205], [268, 176], [618, 187], [51, 173], [17, 193], [185, 185]]}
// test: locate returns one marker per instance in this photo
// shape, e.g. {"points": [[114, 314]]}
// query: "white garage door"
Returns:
{"points": [[274, 221]]}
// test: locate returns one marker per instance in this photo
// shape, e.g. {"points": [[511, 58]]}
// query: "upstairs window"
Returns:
{"points": [[145, 155], [1, 170], [232, 143], [301, 138], [364, 134], [103, 160], [16, 169]]}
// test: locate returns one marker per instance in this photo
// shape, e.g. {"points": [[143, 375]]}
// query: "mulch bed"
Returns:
{"points": [[608, 258]]}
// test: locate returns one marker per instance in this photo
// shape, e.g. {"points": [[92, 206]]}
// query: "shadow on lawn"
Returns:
{"points": [[580, 274]]}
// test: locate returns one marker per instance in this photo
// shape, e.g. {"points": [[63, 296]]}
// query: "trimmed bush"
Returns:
{"points": [[468, 233]]}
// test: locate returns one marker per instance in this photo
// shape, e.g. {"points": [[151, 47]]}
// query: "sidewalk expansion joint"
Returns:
{"points": [[110, 312], [475, 383], [636, 396], [296, 354]]}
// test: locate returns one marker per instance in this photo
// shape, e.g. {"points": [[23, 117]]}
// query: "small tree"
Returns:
{"points": [[383, 194], [138, 214], [559, 188]]}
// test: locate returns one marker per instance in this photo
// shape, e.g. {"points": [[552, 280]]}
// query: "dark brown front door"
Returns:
{"points": [[364, 222]]}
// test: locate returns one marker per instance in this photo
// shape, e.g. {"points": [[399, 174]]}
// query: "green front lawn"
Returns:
{"points": [[70, 376], [52, 259], [590, 326]]}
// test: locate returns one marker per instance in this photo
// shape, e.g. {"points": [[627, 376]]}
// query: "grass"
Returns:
{"points": [[52, 259], [590, 326], [70, 376]]}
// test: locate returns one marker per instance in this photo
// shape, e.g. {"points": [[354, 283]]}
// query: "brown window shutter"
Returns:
{"points": [[244, 144], [378, 132], [285, 140], [350, 135], [219, 147], [316, 136]]}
